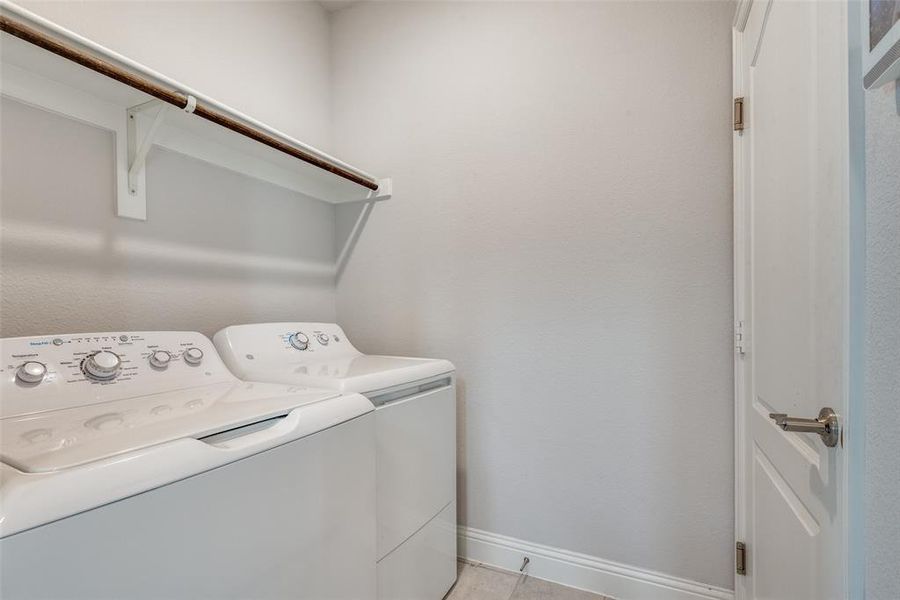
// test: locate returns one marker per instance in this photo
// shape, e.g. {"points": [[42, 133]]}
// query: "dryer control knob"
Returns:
{"points": [[31, 372], [193, 356], [299, 340], [102, 366], [160, 359]]}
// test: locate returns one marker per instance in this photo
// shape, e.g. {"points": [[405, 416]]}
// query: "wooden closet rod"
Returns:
{"points": [[172, 97]]}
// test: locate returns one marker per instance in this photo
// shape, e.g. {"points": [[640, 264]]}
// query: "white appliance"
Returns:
{"points": [[415, 423], [134, 465]]}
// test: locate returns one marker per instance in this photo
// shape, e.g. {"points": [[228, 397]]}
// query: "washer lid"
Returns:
{"points": [[358, 373], [60, 439]]}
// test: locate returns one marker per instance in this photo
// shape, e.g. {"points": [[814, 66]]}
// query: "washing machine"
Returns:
{"points": [[135, 465], [415, 430]]}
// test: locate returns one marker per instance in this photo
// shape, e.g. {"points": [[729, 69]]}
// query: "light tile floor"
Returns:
{"points": [[481, 582]]}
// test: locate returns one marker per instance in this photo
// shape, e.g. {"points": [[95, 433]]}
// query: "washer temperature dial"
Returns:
{"points": [[31, 372], [102, 366]]}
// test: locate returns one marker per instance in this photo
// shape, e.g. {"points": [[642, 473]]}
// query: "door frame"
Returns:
{"points": [[853, 424], [742, 12], [740, 255]]}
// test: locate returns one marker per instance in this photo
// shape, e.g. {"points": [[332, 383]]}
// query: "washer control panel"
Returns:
{"points": [[51, 372]]}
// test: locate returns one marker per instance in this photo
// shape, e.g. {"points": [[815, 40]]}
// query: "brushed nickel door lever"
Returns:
{"points": [[826, 425]]}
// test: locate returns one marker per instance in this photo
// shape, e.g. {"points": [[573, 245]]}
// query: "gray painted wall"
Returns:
{"points": [[882, 341], [218, 248], [561, 230]]}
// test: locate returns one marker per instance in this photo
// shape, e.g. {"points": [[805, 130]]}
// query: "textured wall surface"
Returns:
{"points": [[218, 248], [882, 341], [561, 230]]}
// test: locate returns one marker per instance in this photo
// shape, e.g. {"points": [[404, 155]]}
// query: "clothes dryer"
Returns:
{"points": [[415, 423]]}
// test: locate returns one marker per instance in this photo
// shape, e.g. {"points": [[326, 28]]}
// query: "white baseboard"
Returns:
{"points": [[590, 573]]}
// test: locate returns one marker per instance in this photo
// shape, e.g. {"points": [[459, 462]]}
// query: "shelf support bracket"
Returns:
{"points": [[138, 149], [139, 143]]}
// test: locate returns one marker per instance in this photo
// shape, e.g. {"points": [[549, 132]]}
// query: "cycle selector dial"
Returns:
{"points": [[31, 372], [160, 359], [193, 356], [102, 366], [299, 340]]}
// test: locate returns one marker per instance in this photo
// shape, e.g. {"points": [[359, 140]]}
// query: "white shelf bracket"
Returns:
{"points": [[140, 139]]}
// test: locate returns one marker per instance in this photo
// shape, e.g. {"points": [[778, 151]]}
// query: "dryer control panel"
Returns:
{"points": [[319, 338], [245, 348], [293, 341], [63, 371]]}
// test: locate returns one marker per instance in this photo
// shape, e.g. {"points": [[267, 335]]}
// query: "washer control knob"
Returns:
{"points": [[193, 356], [31, 372], [323, 338], [102, 366], [160, 359], [299, 340]]}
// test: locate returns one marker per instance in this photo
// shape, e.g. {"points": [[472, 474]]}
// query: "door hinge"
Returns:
{"points": [[738, 114], [739, 337], [740, 558]]}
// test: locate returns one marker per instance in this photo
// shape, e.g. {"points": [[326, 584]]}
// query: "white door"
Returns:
{"points": [[791, 249]]}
